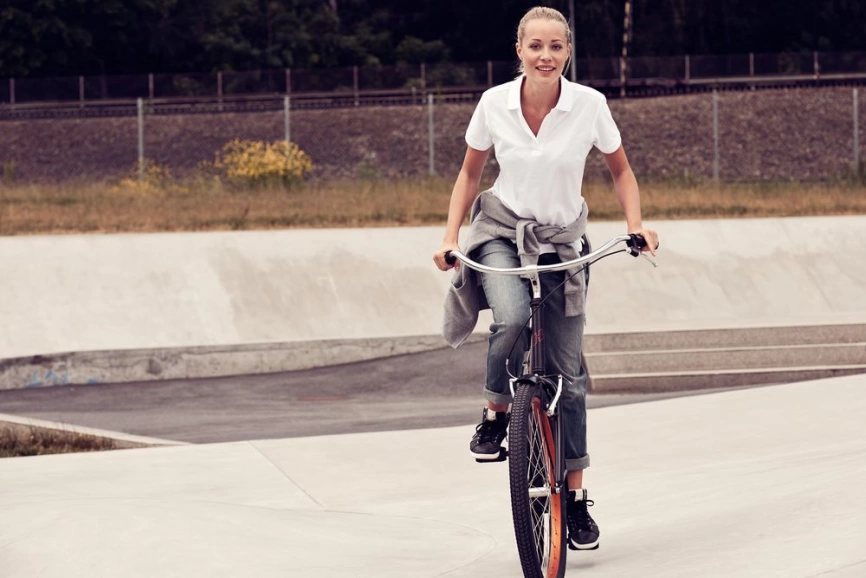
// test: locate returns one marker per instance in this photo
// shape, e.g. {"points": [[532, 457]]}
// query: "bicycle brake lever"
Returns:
{"points": [[650, 259]]}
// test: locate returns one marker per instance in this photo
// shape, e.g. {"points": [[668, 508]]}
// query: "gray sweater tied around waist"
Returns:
{"points": [[490, 219]]}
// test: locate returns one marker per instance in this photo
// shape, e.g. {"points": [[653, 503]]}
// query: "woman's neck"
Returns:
{"points": [[539, 96]]}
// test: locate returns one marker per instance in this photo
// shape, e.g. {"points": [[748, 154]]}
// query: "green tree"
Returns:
{"points": [[70, 37]]}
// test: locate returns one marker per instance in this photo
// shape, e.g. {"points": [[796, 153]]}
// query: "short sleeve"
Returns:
{"points": [[477, 134], [606, 137]]}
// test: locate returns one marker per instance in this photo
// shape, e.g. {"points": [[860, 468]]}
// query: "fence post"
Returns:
{"points": [[81, 91], [140, 103], [715, 134], [423, 76], [220, 89], [489, 73], [688, 69], [430, 133], [856, 132], [287, 106], [815, 65], [288, 81], [355, 82], [626, 40], [752, 69], [150, 86], [12, 91]]}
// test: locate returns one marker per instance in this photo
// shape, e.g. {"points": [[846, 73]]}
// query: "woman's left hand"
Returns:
{"points": [[651, 237]]}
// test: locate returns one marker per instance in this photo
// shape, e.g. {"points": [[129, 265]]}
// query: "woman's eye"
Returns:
{"points": [[534, 46]]}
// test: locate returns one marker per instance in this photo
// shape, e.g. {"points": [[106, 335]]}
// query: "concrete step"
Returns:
{"points": [[654, 361], [686, 381], [724, 338]]}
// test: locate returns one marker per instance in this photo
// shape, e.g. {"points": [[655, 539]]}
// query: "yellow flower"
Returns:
{"points": [[257, 162]]}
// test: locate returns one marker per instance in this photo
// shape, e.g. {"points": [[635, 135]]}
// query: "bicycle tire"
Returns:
{"points": [[538, 513]]}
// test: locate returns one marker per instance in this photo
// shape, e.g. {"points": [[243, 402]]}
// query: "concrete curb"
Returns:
{"points": [[122, 440], [91, 367], [669, 382]]}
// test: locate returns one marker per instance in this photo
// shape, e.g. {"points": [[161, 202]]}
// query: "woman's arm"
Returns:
{"points": [[628, 194], [464, 192]]}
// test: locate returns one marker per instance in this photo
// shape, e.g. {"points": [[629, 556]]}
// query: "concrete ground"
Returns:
{"points": [[758, 482]]}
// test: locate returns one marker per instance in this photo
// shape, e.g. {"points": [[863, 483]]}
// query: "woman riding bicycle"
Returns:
{"points": [[541, 127]]}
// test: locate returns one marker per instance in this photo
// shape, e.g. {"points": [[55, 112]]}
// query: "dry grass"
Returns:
{"points": [[34, 441], [104, 207], [679, 200]]}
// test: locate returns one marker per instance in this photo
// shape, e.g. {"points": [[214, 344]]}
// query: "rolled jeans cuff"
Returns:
{"points": [[577, 463], [497, 398]]}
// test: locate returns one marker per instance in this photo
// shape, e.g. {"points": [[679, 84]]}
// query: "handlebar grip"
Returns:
{"points": [[635, 244], [637, 241], [449, 258]]}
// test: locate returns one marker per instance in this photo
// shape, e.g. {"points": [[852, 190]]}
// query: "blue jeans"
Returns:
{"points": [[508, 297]]}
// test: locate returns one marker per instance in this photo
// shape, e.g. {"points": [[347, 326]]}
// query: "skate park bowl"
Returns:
{"points": [[733, 302], [736, 481]]}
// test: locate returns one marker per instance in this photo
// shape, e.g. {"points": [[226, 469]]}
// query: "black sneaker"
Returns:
{"points": [[582, 530], [486, 444]]}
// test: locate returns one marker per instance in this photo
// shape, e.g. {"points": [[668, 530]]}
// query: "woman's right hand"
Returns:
{"points": [[439, 256]]}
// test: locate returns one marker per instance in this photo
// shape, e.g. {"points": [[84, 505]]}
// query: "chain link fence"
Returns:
{"points": [[642, 75], [800, 134]]}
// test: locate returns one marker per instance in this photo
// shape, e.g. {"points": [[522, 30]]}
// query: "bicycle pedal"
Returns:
{"points": [[503, 455]]}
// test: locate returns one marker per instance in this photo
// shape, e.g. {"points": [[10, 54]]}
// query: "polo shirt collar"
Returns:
{"points": [[564, 103]]}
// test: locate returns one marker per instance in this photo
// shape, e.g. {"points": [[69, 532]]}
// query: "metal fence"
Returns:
{"points": [[645, 76], [802, 133]]}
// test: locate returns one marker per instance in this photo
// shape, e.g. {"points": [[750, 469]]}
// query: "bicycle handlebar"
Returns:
{"points": [[633, 241]]}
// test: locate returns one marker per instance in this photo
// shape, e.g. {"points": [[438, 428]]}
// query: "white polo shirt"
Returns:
{"points": [[540, 176]]}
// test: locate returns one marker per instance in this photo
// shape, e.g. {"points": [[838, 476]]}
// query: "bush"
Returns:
{"points": [[9, 172], [154, 179], [261, 163]]}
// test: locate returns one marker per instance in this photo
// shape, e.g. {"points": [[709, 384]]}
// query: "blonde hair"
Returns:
{"points": [[542, 13]]}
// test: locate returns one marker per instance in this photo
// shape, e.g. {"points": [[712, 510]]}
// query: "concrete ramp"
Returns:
{"points": [[736, 273], [180, 292]]}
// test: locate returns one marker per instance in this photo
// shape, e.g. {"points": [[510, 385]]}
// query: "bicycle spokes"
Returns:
{"points": [[539, 478]]}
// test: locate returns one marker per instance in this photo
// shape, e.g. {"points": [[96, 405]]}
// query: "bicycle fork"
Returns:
{"points": [[559, 475]]}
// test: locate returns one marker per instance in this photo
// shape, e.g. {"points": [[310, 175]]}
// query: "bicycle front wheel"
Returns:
{"points": [[538, 512]]}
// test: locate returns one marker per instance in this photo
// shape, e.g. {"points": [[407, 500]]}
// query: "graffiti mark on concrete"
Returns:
{"points": [[51, 379]]}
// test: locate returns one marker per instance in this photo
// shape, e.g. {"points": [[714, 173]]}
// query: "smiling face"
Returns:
{"points": [[544, 49]]}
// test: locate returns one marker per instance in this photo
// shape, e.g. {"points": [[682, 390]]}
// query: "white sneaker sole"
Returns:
{"points": [[591, 546], [487, 457]]}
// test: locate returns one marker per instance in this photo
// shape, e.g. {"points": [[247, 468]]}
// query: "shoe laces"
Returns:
{"points": [[578, 516], [487, 431]]}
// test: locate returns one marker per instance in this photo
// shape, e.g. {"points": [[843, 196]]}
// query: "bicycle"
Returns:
{"points": [[536, 469]]}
